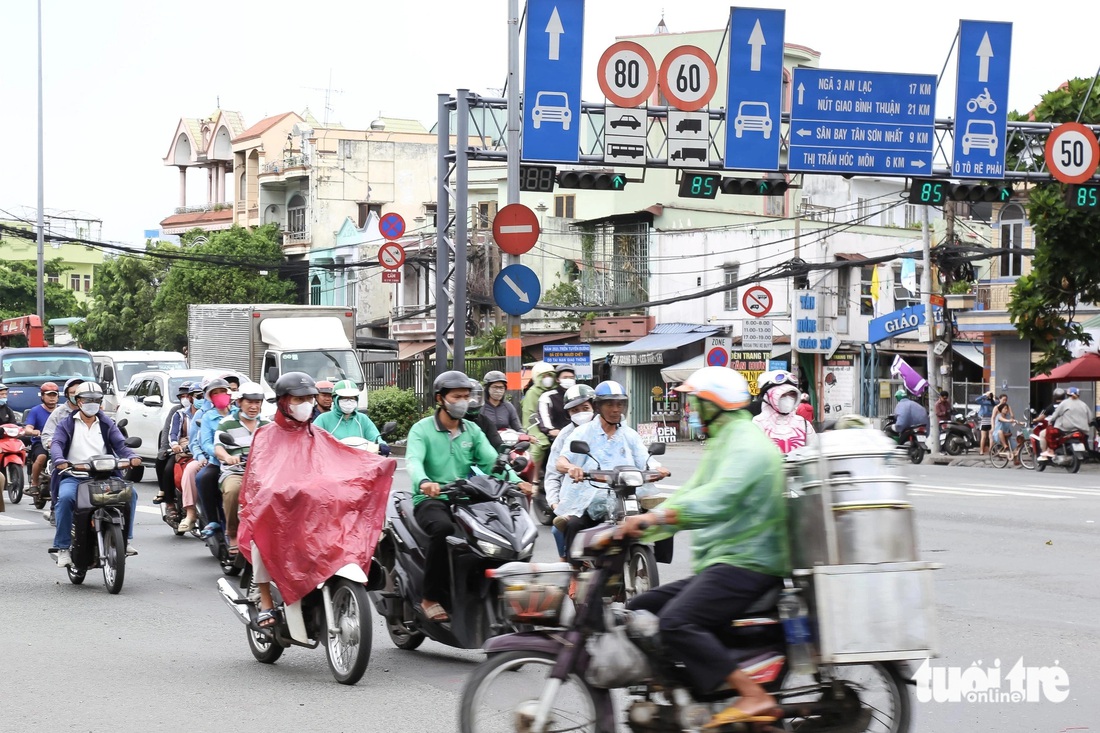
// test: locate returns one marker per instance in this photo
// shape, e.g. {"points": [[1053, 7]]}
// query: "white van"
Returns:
{"points": [[115, 369]]}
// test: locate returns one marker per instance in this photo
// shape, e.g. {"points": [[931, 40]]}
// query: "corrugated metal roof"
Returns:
{"points": [[683, 328], [668, 336]]}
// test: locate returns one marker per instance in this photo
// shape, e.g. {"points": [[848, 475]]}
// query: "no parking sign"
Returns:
{"points": [[717, 352]]}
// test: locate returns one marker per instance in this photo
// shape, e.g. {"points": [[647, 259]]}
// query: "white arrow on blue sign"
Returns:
{"points": [[754, 102], [517, 290], [552, 81], [981, 99]]}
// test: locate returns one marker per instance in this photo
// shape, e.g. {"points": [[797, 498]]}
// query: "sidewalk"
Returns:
{"points": [[974, 460]]}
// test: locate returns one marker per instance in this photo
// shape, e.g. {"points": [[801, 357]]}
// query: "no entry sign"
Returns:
{"points": [[516, 229]]}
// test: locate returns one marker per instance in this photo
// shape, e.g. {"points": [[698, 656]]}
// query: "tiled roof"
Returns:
{"points": [[262, 126], [199, 217], [234, 121]]}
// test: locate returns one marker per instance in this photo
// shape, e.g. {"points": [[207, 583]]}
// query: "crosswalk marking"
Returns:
{"points": [[6, 521], [973, 491]]}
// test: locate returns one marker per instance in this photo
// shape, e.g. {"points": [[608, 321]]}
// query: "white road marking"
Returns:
{"points": [[969, 491], [6, 521]]}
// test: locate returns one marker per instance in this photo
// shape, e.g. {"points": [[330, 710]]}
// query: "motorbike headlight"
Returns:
{"points": [[104, 464], [631, 478], [491, 549]]}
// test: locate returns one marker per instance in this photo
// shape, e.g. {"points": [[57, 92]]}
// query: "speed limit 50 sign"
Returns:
{"points": [[1072, 153]]}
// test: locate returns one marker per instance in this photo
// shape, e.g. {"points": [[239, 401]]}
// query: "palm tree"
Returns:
{"points": [[490, 342]]}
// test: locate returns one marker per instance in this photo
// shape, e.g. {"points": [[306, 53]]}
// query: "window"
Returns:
{"points": [[242, 188], [486, 211], [74, 283], [866, 302], [315, 291], [376, 209], [87, 283], [1012, 237], [53, 279], [912, 216], [731, 275], [154, 388], [296, 214], [565, 207], [863, 208], [843, 290]]}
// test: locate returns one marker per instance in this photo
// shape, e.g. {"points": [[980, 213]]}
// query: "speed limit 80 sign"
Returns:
{"points": [[1072, 153], [688, 78], [627, 74]]}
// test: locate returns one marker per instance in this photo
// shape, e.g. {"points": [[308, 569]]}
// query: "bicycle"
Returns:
{"points": [[1000, 454]]}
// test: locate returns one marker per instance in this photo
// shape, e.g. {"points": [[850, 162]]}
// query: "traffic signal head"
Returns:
{"points": [[978, 192], [934, 193], [595, 180], [755, 186]]}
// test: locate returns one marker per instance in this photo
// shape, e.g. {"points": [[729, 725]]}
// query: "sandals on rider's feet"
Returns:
{"points": [[734, 714], [266, 618], [159, 498], [435, 612]]}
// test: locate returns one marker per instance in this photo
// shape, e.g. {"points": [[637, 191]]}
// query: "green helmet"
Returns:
{"points": [[900, 394], [345, 388]]}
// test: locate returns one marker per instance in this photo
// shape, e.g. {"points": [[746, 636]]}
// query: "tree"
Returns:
{"points": [[19, 291], [121, 316], [567, 295], [1065, 270], [490, 342]]}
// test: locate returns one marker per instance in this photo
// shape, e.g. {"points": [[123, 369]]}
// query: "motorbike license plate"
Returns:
{"points": [[922, 439], [631, 506], [1078, 448]]}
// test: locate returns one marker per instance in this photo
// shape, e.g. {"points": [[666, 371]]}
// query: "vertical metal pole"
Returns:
{"points": [[462, 215], [41, 291], [926, 299], [794, 335], [442, 214], [513, 361]]}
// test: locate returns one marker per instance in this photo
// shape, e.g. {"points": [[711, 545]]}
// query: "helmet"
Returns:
{"points": [[1059, 394], [325, 387], [577, 395], [723, 386], [493, 377], [1073, 392], [901, 394], [295, 384], [47, 387], [452, 379], [90, 391], [213, 384], [71, 383], [251, 391], [184, 388], [769, 379], [343, 388], [540, 369], [232, 378], [3, 387], [565, 368], [609, 392], [477, 398]]}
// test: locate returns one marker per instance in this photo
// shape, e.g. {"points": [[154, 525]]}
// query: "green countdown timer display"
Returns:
{"points": [[700, 185], [1085, 197], [930, 193]]}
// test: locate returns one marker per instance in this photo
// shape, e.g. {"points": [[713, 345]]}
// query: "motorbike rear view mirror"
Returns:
{"points": [[389, 427], [226, 439], [579, 447], [656, 449], [134, 442], [522, 446], [519, 464], [122, 423]]}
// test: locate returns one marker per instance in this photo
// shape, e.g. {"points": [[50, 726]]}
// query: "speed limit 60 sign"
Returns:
{"points": [[627, 74], [688, 78], [1072, 153]]}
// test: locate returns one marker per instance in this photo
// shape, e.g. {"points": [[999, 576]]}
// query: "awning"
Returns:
{"points": [[651, 349], [409, 349], [600, 352], [972, 352], [680, 372]]}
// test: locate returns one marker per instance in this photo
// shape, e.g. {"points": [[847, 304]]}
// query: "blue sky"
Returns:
{"points": [[120, 73]]}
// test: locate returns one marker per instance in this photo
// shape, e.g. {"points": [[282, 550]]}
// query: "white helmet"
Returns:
{"points": [[771, 378], [725, 387], [540, 368]]}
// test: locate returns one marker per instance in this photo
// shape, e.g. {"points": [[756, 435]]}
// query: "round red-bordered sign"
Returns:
{"points": [[391, 255], [1072, 153], [392, 225], [515, 229], [688, 78], [627, 74], [758, 301]]}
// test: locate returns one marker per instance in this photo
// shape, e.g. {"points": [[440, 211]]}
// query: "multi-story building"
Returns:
{"points": [[204, 144], [79, 260]]}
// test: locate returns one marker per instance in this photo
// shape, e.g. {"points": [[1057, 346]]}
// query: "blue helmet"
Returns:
{"points": [[609, 391]]}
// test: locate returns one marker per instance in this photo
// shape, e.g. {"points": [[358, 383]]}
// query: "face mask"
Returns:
{"points": [[457, 410], [220, 401], [3, 401], [91, 409], [185, 402], [787, 404], [547, 382], [348, 406], [300, 412], [580, 418], [566, 383], [251, 413], [497, 393]]}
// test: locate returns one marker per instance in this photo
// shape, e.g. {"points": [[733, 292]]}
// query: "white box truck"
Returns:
{"points": [[267, 341]]}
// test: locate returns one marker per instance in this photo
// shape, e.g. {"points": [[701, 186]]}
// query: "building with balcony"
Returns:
{"points": [[79, 260], [204, 144]]}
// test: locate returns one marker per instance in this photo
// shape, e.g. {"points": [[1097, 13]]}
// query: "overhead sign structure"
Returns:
{"points": [[981, 99], [811, 335], [899, 322], [717, 352], [392, 225], [688, 78], [758, 301], [517, 290], [391, 255], [516, 229], [627, 74], [756, 334], [754, 102], [578, 356], [552, 81], [624, 136], [1072, 153], [688, 139], [862, 122]]}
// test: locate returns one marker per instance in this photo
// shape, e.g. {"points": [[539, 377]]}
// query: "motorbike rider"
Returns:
{"points": [[910, 415], [7, 415], [346, 421], [552, 416], [778, 416], [542, 380], [578, 403], [83, 434], [36, 419], [502, 413], [805, 410], [241, 427], [735, 503], [610, 444], [943, 407], [440, 449], [476, 414], [166, 456], [199, 459], [1003, 420], [63, 410], [1071, 416], [217, 393], [324, 398], [1047, 414]]}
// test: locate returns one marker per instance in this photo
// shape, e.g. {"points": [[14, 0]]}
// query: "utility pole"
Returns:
{"points": [[930, 349], [948, 318], [513, 359], [41, 292]]}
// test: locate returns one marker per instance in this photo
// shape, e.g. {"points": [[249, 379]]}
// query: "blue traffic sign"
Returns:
{"points": [[754, 102], [981, 99], [862, 122], [392, 226], [517, 290], [899, 322], [552, 81]]}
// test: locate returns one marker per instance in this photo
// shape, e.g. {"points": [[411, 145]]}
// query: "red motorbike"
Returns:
{"points": [[1069, 448], [13, 459], [511, 438]]}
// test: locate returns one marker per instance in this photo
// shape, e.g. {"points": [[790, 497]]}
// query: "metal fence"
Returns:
{"points": [[417, 374]]}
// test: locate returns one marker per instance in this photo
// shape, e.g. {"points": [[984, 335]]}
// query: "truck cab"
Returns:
{"points": [[25, 370], [317, 346]]}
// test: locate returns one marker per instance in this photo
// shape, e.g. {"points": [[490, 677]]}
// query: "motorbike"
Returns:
{"points": [[171, 509], [100, 519], [956, 436], [540, 508], [1069, 449], [542, 679], [13, 458], [983, 100], [132, 474], [366, 445], [493, 527], [915, 442], [336, 613]]}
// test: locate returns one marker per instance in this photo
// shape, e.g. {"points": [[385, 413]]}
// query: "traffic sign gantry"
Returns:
{"points": [[392, 225], [515, 229], [1072, 153], [391, 255], [552, 81], [754, 103], [862, 122], [517, 290], [688, 78], [758, 301], [981, 99], [627, 74]]}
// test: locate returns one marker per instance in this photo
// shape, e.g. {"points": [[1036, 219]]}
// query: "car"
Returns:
{"points": [[626, 121], [551, 107], [753, 116], [114, 370], [980, 134], [151, 397]]}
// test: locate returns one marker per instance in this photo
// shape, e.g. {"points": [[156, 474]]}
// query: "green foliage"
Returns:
{"points": [[121, 314], [19, 291], [960, 287], [394, 403], [1066, 266], [566, 295], [490, 342]]}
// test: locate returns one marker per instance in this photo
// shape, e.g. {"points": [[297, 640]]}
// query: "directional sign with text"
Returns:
{"points": [[754, 102], [517, 290], [552, 81], [981, 99], [862, 122]]}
